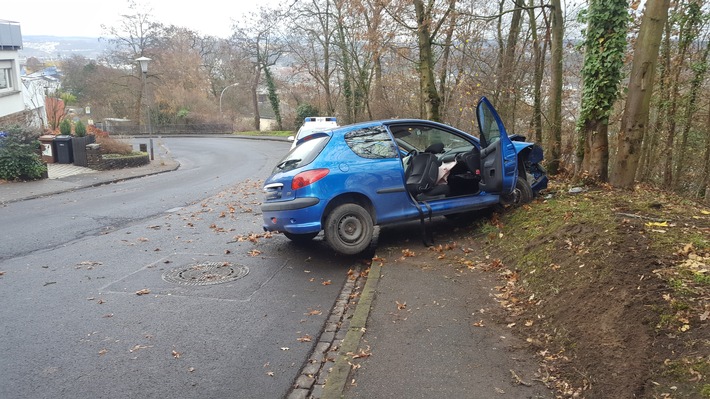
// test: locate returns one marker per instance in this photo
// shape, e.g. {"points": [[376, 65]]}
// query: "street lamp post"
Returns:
{"points": [[222, 93], [143, 62]]}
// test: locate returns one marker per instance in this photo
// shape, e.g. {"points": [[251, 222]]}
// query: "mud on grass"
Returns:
{"points": [[612, 290]]}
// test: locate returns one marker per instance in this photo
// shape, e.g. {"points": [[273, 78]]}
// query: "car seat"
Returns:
{"points": [[423, 173]]}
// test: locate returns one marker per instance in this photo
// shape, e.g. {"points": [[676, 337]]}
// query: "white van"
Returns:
{"points": [[313, 124]]}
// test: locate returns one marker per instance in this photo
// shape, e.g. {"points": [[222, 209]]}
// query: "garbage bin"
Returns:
{"points": [[48, 153], [64, 151]]}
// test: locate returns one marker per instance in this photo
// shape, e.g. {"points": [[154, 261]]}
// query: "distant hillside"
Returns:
{"points": [[56, 47]]}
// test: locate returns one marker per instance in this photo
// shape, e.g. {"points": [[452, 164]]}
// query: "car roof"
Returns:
{"points": [[394, 122]]}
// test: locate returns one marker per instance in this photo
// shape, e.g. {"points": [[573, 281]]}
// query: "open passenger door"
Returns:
{"points": [[499, 163]]}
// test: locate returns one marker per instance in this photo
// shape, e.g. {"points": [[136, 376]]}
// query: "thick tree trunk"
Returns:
{"points": [[595, 165], [636, 110], [432, 101]]}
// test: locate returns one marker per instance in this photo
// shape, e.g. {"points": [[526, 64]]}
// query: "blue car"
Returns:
{"points": [[346, 180]]}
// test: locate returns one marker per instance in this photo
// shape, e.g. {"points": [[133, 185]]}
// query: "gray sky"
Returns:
{"points": [[84, 18]]}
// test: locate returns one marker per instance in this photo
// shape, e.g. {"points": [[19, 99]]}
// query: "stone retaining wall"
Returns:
{"points": [[98, 162]]}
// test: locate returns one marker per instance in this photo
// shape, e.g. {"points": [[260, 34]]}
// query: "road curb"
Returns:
{"points": [[338, 376]]}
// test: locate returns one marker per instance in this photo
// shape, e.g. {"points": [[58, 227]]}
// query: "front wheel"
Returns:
{"points": [[522, 194], [349, 229]]}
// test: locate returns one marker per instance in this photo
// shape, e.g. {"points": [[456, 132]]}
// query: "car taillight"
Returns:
{"points": [[309, 177]]}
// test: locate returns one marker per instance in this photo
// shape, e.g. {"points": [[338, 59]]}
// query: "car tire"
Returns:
{"points": [[522, 194], [349, 229], [300, 238]]}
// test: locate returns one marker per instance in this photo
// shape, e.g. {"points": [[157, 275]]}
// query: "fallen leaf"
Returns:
{"points": [[270, 373], [314, 313], [144, 291], [656, 224], [401, 306], [478, 323], [138, 347], [103, 352], [191, 369], [326, 282], [305, 338], [176, 354]]}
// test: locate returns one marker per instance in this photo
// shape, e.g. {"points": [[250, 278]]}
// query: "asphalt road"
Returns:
{"points": [[74, 264]]}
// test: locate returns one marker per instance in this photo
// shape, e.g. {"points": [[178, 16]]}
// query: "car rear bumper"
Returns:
{"points": [[299, 216], [298, 203]]}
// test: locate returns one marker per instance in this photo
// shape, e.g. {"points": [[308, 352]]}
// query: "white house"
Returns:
{"points": [[20, 102]]}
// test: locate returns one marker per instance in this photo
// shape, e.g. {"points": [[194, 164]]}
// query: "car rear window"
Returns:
{"points": [[371, 142], [302, 155]]}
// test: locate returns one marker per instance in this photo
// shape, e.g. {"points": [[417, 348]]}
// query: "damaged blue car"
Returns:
{"points": [[349, 179]]}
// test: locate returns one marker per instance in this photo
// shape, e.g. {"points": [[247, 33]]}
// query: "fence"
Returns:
{"points": [[159, 130]]}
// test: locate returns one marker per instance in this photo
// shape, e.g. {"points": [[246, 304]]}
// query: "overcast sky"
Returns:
{"points": [[84, 18]]}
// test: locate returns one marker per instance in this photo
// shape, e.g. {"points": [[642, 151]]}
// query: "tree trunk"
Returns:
{"points": [[255, 98], [554, 142], [426, 62], [539, 64], [651, 141], [605, 46], [636, 110], [444, 70], [596, 150], [506, 76]]}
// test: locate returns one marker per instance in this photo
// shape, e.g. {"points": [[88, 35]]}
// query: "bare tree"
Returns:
{"points": [[259, 37]]}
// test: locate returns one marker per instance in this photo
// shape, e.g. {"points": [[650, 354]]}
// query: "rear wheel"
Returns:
{"points": [[300, 238], [349, 229], [522, 194]]}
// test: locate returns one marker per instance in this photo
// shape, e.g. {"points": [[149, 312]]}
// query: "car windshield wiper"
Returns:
{"points": [[289, 162]]}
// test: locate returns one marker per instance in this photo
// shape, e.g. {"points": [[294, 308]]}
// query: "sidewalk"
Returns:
{"points": [[432, 332], [64, 177]]}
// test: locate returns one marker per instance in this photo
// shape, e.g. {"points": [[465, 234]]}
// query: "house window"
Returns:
{"points": [[6, 76]]}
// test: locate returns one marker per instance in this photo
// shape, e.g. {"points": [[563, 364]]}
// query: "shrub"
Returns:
{"points": [[304, 110], [19, 155], [96, 131], [80, 129], [112, 146], [65, 127]]}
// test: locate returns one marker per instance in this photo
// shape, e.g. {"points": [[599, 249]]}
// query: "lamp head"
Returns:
{"points": [[143, 61]]}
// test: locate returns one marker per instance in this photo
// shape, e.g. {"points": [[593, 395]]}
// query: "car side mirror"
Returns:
{"points": [[290, 138]]}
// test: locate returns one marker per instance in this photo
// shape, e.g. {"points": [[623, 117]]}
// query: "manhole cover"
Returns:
{"points": [[206, 273]]}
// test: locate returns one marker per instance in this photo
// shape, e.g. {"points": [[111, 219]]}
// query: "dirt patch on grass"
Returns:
{"points": [[611, 289]]}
